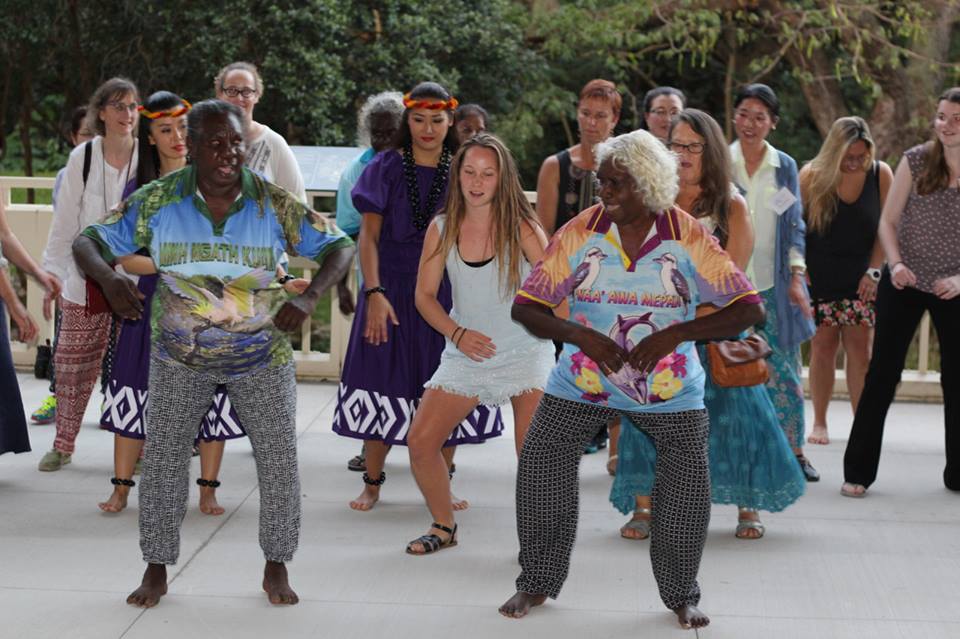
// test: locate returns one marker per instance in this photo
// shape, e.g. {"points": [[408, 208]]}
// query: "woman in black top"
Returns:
{"points": [[565, 182], [843, 190]]}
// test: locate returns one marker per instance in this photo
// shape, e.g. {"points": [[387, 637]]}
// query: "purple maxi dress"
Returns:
{"points": [[381, 385]]}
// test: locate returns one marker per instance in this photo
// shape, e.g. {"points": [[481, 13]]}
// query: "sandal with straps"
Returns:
{"points": [[432, 543], [744, 525], [641, 526]]}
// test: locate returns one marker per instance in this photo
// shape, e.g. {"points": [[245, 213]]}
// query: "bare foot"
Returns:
{"points": [[153, 586], [276, 585], [457, 503], [690, 617], [819, 436], [117, 501], [208, 501], [638, 527], [520, 604], [366, 500]]}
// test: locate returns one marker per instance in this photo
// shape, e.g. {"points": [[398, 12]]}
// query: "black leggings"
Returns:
{"points": [[898, 314]]}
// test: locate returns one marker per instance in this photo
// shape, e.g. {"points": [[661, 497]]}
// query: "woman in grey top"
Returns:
{"points": [[921, 238]]}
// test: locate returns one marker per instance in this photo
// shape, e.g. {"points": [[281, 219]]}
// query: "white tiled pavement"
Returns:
{"points": [[829, 567]]}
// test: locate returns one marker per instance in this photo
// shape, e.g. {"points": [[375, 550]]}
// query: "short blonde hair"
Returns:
{"points": [[652, 167]]}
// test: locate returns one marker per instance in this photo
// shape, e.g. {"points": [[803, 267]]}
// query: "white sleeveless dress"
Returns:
{"points": [[522, 362]]}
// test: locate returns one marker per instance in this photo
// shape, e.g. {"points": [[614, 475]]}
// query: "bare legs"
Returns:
{"points": [[856, 342], [612, 452], [823, 362], [524, 406], [211, 454], [438, 414], [126, 450], [376, 452]]}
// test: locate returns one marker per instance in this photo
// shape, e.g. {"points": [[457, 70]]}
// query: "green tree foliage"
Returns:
{"points": [[525, 61]]}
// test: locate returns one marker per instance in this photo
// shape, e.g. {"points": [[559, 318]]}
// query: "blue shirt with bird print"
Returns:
{"points": [[217, 293], [628, 297]]}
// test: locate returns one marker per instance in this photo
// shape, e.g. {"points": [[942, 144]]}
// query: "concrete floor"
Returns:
{"points": [[829, 567]]}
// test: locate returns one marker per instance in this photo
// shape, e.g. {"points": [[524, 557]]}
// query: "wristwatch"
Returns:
{"points": [[873, 274]]}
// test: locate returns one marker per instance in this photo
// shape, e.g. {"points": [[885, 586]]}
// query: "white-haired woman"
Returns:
{"points": [[378, 122], [633, 270], [843, 190]]}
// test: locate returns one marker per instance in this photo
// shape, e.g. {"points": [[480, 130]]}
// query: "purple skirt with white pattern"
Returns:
{"points": [[125, 397]]}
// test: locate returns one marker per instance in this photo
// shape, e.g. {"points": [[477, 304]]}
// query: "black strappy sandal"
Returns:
{"points": [[432, 543]]}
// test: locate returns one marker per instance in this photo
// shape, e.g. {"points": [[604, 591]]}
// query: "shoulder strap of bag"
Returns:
{"points": [[87, 157]]}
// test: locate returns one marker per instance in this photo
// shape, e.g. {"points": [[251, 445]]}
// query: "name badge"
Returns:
{"points": [[783, 200]]}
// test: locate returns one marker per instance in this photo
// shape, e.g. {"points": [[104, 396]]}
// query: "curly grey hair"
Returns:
{"points": [[652, 167], [385, 102]]}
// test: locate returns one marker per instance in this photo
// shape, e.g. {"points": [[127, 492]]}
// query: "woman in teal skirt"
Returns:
{"points": [[751, 461]]}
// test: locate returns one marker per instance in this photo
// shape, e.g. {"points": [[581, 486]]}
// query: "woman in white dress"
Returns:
{"points": [[486, 241]]}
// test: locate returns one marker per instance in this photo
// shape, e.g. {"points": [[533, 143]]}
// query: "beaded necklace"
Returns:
{"points": [[421, 217]]}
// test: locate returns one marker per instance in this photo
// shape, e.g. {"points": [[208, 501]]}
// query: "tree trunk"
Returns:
{"points": [[4, 100], [903, 114], [823, 95]]}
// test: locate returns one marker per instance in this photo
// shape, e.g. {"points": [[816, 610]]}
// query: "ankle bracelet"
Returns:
{"points": [[208, 483], [374, 482], [116, 481]]}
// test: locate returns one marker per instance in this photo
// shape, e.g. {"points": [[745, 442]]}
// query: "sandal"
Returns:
{"points": [[358, 464], [857, 491], [432, 543], [743, 525], [642, 526], [612, 465]]}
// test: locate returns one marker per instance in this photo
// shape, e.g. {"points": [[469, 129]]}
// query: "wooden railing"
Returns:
{"points": [[31, 223]]}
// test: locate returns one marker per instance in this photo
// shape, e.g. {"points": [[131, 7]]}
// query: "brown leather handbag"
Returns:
{"points": [[740, 362]]}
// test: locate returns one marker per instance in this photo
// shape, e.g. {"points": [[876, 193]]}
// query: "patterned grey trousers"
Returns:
{"points": [[548, 500], [266, 402]]}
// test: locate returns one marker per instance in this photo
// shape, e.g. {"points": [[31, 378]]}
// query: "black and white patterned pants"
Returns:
{"points": [[266, 402], [548, 500]]}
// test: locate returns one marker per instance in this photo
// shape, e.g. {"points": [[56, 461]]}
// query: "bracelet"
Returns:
{"points": [[375, 289], [894, 265], [286, 278], [453, 335], [457, 343]]}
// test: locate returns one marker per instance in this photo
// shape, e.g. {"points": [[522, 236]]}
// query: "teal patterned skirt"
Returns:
{"points": [[751, 462]]}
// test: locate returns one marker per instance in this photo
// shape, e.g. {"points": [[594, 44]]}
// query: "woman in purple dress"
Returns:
{"points": [[392, 350]]}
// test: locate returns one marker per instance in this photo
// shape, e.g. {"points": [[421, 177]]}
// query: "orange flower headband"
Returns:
{"points": [[169, 113], [432, 105]]}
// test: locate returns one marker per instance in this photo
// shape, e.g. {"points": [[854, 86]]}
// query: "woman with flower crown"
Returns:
{"points": [[392, 350]]}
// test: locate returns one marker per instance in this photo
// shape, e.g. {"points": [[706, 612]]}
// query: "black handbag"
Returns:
{"points": [[43, 365]]}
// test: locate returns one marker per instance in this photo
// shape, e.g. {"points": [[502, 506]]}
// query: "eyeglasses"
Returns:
{"points": [[245, 92], [120, 107], [663, 113], [695, 148]]}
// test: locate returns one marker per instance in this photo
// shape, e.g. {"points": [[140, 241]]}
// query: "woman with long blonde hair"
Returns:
{"points": [[486, 241], [843, 190]]}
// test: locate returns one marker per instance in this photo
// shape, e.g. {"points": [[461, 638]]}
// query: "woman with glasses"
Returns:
{"points": [[97, 174], [565, 187], [267, 152], [768, 179], [921, 238], [660, 106], [751, 464], [843, 189]]}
